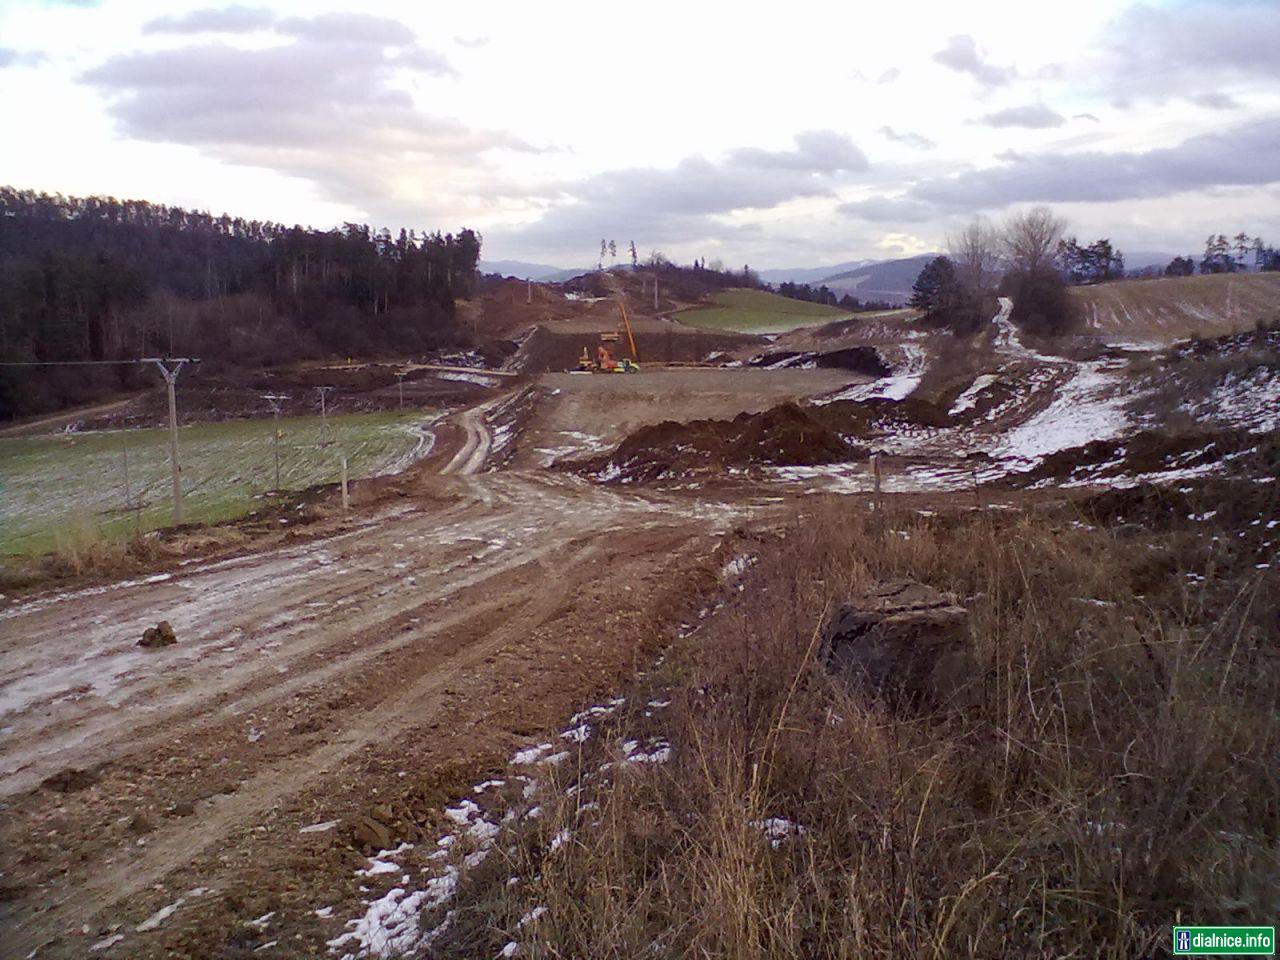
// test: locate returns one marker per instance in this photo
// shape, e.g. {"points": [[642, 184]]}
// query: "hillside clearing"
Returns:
{"points": [[758, 311], [1174, 307]]}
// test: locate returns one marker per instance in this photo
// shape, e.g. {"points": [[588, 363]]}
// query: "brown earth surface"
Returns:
{"points": [[364, 676], [582, 414]]}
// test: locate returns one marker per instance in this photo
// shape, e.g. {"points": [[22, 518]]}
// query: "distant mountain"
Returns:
{"points": [[1140, 259], [523, 270], [810, 274], [560, 276], [880, 280]]}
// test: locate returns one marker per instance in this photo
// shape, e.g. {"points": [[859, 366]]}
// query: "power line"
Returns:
{"points": [[63, 363]]}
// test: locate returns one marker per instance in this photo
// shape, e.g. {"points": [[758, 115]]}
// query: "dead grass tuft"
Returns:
{"points": [[1113, 772]]}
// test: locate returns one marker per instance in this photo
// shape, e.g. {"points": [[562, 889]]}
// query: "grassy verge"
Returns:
{"points": [[69, 488], [1109, 772], [758, 311]]}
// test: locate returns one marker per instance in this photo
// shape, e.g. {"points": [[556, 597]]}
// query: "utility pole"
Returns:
{"points": [[128, 494], [323, 391], [171, 378], [528, 293], [274, 400], [655, 293]]}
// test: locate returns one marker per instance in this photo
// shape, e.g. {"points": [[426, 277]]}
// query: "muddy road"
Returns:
{"points": [[357, 678]]}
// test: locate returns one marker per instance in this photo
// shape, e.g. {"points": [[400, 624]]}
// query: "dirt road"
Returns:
{"points": [[43, 424], [377, 669]]}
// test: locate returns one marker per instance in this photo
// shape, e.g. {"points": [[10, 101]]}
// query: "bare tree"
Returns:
{"points": [[1031, 238], [975, 252]]}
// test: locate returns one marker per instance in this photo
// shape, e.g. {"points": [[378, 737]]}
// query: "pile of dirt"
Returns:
{"points": [[881, 415], [785, 435], [161, 635]]}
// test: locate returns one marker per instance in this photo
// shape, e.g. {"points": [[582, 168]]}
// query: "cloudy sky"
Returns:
{"points": [[789, 134]]}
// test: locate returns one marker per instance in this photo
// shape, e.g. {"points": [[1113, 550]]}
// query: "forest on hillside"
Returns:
{"points": [[100, 279]]}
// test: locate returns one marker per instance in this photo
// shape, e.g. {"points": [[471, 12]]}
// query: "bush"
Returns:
{"points": [[1041, 305]]}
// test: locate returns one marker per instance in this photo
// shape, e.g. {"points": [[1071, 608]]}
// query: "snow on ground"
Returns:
{"points": [[897, 386], [481, 379], [970, 396], [1090, 406], [777, 830], [392, 923], [1250, 402]]}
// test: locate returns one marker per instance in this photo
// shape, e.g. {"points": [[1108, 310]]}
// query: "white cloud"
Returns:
{"points": [[443, 116]]}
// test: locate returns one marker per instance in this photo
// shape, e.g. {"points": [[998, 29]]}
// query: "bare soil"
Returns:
{"points": [[365, 675], [582, 414]]}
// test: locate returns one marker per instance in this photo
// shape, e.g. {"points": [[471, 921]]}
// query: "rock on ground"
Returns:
{"points": [[901, 640]]}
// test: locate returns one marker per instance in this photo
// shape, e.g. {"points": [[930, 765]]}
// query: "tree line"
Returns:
{"points": [[1031, 260], [825, 295], [1028, 259], [97, 278], [1228, 255]]}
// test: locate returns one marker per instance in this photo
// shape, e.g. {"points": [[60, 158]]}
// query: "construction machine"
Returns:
{"points": [[605, 362]]}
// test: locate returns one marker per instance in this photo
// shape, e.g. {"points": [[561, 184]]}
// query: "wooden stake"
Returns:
{"points": [[875, 469], [346, 500]]}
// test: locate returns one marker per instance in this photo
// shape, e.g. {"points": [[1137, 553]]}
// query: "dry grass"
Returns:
{"points": [[1171, 308], [1111, 772]]}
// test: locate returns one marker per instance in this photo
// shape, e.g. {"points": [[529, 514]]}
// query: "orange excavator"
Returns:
{"points": [[605, 361]]}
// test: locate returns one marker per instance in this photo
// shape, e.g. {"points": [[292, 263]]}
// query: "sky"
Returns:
{"points": [[780, 135]]}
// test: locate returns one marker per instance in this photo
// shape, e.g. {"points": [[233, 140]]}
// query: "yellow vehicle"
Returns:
{"points": [[605, 362]]}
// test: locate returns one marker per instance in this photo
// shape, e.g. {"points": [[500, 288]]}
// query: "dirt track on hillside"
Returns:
{"points": [[376, 669]]}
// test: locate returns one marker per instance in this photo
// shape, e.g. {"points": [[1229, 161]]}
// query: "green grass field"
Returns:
{"points": [[758, 311], [53, 484]]}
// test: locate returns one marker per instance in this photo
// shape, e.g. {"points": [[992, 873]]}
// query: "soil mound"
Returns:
{"points": [[785, 435]]}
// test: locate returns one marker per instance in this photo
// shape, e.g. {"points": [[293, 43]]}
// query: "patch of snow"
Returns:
{"points": [[560, 839], [532, 916], [320, 827], [378, 866], [778, 830], [164, 913], [1090, 406], [970, 396]]}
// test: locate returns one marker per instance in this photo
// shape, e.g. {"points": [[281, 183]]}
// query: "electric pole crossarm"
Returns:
{"points": [[170, 375]]}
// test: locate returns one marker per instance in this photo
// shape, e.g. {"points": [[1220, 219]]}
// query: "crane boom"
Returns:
{"points": [[635, 355]]}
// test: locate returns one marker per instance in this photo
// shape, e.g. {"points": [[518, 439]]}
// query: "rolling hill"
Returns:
{"points": [[889, 280], [524, 270], [1173, 307], [758, 311]]}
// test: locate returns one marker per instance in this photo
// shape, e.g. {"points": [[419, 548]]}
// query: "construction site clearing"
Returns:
{"points": [[348, 689]]}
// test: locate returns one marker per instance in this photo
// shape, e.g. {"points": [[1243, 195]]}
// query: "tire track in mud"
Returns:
{"points": [[258, 632], [372, 624], [174, 846]]}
